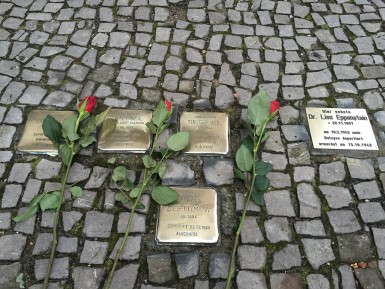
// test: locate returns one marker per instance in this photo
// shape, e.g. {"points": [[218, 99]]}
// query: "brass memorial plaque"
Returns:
{"points": [[125, 130], [340, 128], [193, 219], [209, 132], [33, 139]]}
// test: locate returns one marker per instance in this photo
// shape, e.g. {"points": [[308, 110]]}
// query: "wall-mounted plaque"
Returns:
{"points": [[340, 128], [209, 132], [125, 130], [192, 219], [33, 139]]}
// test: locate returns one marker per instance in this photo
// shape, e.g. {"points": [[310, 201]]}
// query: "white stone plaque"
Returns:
{"points": [[340, 128]]}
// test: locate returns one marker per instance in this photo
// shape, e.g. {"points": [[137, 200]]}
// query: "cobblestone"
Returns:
{"points": [[323, 207]]}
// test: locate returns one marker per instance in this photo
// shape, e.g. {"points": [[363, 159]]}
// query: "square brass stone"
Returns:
{"points": [[209, 132], [192, 219], [33, 139], [125, 130], [341, 128]]}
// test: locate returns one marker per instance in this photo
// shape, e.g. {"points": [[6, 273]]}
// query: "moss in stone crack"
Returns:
{"points": [[324, 208], [35, 163], [114, 238], [108, 264], [77, 230]]}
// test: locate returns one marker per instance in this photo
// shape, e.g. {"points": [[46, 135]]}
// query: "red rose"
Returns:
{"points": [[168, 104], [90, 103], [274, 106]]}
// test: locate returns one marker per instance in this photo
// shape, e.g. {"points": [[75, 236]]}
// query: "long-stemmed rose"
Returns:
{"points": [[75, 133], [253, 172], [154, 169]]}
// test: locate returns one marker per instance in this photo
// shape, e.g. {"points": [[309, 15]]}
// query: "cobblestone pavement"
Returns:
{"points": [[324, 210]]}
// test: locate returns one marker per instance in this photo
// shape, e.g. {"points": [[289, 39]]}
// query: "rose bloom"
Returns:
{"points": [[168, 104], [274, 106], [90, 103]]}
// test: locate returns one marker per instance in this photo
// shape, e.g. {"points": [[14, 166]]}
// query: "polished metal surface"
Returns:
{"points": [[192, 219], [125, 130], [33, 139], [209, 132]]}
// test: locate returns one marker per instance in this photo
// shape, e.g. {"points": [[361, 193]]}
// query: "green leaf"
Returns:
{"points": [[153, 181], [164, 126], [126, 185], [239, 174], [73, 136], [164, 195], [178, 141], [50, 201], [160, 114], [151, 127], [135, 192], [87, 140], [52, 129], [258, 109], [262, 168], [140, 206], [244, 159], [257, 197], [265, 137], [111, 160], [119, 173], [247, 125], [101, 117], [162, 169], [36, 199], [248, 142], [26, 215], [88, 126], [120, 197], [20, 280], [65, 154], [69, 125], [261, 183], [148, 161], [76, 191]]}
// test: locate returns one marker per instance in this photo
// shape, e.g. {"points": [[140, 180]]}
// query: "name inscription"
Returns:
{"points": [[208, 132], [33, 139], [335, 128], [193, 219], [125, 130]]}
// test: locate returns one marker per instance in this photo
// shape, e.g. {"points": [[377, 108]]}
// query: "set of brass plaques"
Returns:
{"points": [[126, 131], [341, 128], [192, 219]]}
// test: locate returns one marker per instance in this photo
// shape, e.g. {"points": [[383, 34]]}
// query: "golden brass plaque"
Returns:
{"points": [[125, 130], [340, 128], [209, 132], [33, 139], [193, 219]]}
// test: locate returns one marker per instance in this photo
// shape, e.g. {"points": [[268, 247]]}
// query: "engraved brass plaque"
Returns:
{"points": [[125, 130], [341, 128], [209, 132], [192, 219], [33, 139]]}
